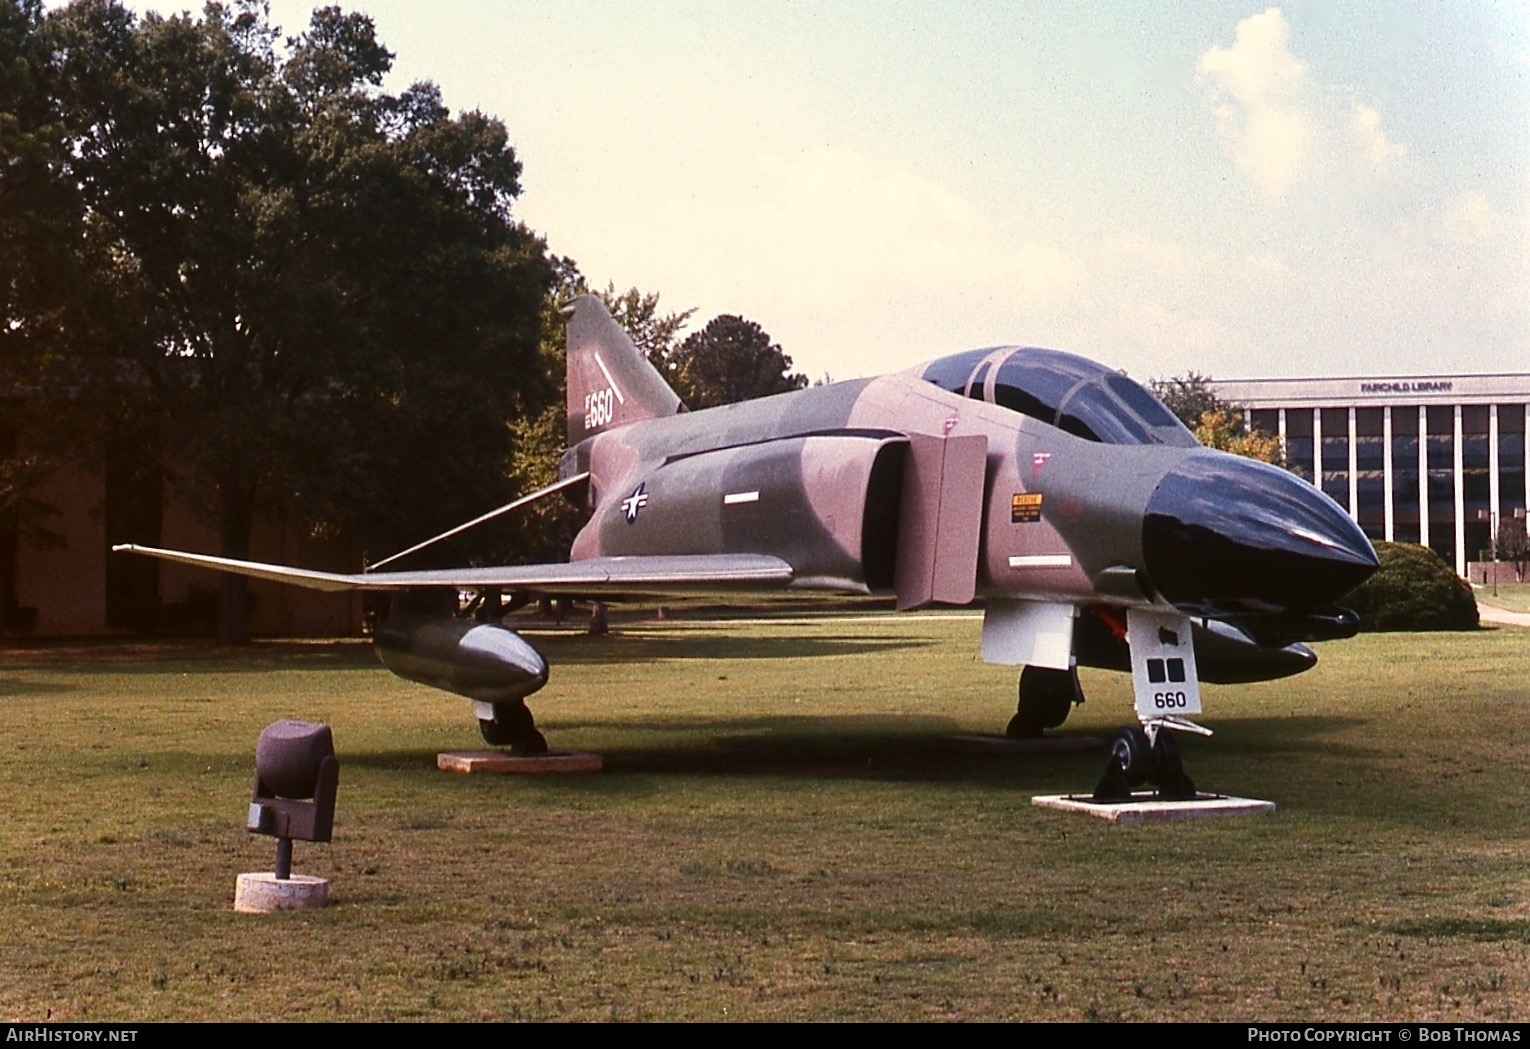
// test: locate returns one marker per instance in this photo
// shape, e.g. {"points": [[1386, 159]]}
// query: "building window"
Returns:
{"points": [[1299, 441], [1405, 474], [1441, 422], [1336, 455], [1476, 487], [1370, 466], [1511, 459]]}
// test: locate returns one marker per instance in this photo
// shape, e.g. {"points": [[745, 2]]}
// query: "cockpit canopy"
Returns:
{"points": [[1072, 393]]}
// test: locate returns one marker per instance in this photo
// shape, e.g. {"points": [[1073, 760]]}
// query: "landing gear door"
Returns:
{"points": [[1163, 664]]}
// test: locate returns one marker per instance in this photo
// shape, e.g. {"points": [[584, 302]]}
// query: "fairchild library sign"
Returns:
{"points": [[1406, 386], [1352, 390]]}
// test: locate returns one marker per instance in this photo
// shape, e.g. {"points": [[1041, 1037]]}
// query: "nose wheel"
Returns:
{"points": [[1141, 754]]}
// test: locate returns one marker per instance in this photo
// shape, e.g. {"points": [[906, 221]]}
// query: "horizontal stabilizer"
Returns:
{"points": [[693, 575]]}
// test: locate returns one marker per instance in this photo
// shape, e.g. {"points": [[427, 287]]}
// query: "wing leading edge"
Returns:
{"points": [[683, 575]]}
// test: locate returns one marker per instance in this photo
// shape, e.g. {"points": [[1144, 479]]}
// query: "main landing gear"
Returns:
{"points": [[507, 723], [1046, 697], [511, 726], [1147, 753]]}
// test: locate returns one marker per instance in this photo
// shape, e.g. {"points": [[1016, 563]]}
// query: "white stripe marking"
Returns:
{"points": [[612, 382], [1042, 561], [734, 498]]}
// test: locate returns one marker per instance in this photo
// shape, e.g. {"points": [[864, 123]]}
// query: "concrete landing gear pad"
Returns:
{"points": [[508, 764], [1028, 745], [1145, 806]]}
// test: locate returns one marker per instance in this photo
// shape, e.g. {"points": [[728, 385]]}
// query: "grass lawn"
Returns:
{"points": [[1513, 596], [782, 832]]}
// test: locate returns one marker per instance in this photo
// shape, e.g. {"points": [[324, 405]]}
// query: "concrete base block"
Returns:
{"points": [[263, 892], [507, 764], [1145, 806], [1032, 745]]}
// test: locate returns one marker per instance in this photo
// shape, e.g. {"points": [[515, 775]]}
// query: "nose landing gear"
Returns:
{"points": [[1147, 753]]}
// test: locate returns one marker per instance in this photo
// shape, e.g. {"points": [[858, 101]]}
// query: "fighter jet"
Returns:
{"points": [[1056, 492]]}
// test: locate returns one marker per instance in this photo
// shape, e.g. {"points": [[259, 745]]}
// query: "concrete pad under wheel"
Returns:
{"points": [[505, 763], [1146, 806], [1029, 744], [264, 893]]}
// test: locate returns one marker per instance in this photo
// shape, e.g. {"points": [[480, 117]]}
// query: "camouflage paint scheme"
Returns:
{"points": [[1061, 517], [1057, 492]]}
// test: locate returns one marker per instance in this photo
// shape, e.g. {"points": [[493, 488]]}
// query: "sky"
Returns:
{"points": [[1315, 189]]}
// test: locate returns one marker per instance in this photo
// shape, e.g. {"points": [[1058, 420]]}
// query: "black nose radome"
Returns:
{"points": [[1225, 535]]}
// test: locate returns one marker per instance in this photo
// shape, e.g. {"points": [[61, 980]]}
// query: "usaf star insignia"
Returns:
{"points": [[635, 502]]}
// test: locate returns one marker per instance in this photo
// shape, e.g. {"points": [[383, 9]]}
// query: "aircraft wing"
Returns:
{"points": [[698, 575]]}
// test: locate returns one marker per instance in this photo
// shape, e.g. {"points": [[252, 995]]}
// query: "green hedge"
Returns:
{"points": [[1413, 590]]}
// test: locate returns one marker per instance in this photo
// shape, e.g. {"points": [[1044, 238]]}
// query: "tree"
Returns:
{"points": [[1514, 545], [314, 290], [730, 360], [1189, 396], [654, 333], [1215, 422], [45, 303], [1223, 430], [1413, 590]]}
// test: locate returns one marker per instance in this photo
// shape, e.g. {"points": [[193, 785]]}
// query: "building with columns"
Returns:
{"points": [[1434, 459]]}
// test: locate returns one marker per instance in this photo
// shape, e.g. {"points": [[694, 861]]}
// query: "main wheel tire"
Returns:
{"points": [[1046, 696], [1131, 750], [513, 727]]}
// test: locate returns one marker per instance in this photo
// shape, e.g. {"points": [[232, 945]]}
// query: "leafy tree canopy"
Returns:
{"points": [[730, 360], [1215, 422], [1514, 544], [1413, 590], [1223, 430], [312, 289], [1189, 396], [656, 334]]}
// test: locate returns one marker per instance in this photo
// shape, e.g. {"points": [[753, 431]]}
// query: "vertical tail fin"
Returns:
{"points": [[610, 382]]}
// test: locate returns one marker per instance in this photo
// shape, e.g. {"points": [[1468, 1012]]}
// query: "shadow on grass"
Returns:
{"points": [[572, 651], [15, 688], [1295, 760], [1482, 930], [188, 657], [1302, 733], [884, 748]]}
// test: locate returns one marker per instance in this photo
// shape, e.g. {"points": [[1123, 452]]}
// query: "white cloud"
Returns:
{"points": [[1146, 256], [1285, 130], [846, 224], [1265, 267], [1373, 144], [1267, 123], [1467, 217]]}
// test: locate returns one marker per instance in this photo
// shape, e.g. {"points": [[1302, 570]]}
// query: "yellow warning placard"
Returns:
{"points": [[1025, 507]]}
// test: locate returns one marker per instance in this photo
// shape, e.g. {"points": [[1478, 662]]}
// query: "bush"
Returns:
{"points": [[1413, 590]]}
